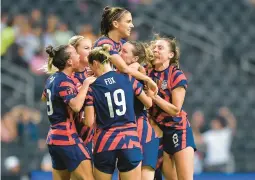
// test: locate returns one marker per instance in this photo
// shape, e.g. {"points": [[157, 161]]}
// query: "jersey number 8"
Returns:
{"points": [[117, 101]]}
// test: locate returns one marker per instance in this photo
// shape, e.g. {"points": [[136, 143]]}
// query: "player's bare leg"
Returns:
{"points": [[134, 174], [60, 174], [168, 167], [83, 171], [184, 161]]}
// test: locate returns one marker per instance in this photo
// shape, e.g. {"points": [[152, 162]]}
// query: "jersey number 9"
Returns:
{"points": [[49, 103], [118, 102]]}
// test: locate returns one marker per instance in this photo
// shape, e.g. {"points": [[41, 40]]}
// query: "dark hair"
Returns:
{"points": [[172, 42], [221, 120], [143, 51], [57, 57], [109, 15], [100, 54]]}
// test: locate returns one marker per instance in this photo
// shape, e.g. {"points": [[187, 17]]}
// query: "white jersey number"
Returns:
{"points": [[49, 103], [119, 102]]}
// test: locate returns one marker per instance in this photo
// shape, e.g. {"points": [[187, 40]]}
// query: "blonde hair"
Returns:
{"points": [[143, 51], [75, 40], [100, 54]]}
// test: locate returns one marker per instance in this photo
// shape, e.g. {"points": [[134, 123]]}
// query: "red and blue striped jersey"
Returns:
{"points": [[81, 76], [167, 80], [115, 46], [59, 90], [85, 132], [112, 96], [145, 132]]}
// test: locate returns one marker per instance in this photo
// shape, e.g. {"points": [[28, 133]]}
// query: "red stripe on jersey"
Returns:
{"points": [[105, 41], [133, 144], [104, 140], [67, 84], [84, 151], [63, 93], [61, 143], [135, 84], [115, 142], [140, 127], [138, 91], [184, 138], [178, 79]]}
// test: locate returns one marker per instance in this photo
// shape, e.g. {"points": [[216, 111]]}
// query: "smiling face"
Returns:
{"points": [[124, 25], [74, 59], [83, 49], [162, 52]]}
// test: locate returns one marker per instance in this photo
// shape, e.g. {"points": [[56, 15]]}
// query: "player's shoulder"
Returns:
{"points": [[103, 40]]}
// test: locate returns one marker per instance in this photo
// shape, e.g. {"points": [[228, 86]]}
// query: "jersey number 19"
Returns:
{"points": [[118, 102]]}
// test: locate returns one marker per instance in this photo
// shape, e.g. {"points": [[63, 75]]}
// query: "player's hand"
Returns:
{"points": [[152, 86], [150, 93], [89, 80]]}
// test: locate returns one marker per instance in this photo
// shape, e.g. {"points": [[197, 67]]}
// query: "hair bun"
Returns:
{"points": [[50, 50], [107, 8]]}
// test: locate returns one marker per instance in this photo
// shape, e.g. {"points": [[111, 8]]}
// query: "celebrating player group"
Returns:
{"points": [[116, 105]]}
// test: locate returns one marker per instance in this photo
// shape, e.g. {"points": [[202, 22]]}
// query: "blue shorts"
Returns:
{"points": [[150, 153], [176, 140], [68, 157], [128, 159]]}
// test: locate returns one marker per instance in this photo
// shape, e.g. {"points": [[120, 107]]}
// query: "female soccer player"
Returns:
{"points": [[167, 111], [70, 158], [131, 53], [83, 47], [116, 25], [111, 98]]}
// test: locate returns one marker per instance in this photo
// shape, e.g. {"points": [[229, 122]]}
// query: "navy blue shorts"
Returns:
{"points": [[176, 140], [128, 159], [150, 153], [68, 157]]}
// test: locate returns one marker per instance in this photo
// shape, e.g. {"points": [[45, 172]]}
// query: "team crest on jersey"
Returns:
{"points": [[164, 85], [69, 91]]}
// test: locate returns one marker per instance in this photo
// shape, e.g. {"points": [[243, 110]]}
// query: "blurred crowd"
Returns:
{"points": [[214, 141], [23, 128]]}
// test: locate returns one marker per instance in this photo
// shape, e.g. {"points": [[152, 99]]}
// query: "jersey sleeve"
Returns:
{"points": [[103, 41], [67, 91], [137, 86], [177, 79], [89, 101]]}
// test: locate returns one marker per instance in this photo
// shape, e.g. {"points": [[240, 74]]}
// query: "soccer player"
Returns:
{"points": [[111, 98], [131, 53], [167, 111], [70, 157], [83, 47], [116, 25]]}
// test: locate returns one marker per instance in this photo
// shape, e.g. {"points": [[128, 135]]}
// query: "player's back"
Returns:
{"points": [[59, 90], [113, 95]]}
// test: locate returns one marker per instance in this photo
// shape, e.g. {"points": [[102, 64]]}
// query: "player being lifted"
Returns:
{"points": [[116, 25]]}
